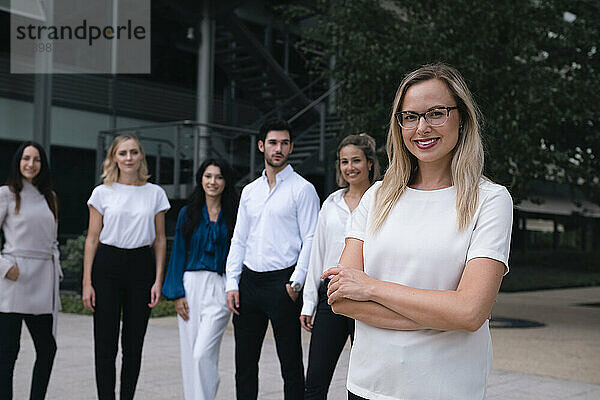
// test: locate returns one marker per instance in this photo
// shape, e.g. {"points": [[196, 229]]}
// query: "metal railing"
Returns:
{"points": [[183, 140], [322, 108], [320, 103]]}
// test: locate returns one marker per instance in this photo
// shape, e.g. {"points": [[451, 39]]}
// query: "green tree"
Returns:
{"points": [[533, 67]]}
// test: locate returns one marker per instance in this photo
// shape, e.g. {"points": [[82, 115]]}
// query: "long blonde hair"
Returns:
{"points": [[110, 170], [467, 160]]}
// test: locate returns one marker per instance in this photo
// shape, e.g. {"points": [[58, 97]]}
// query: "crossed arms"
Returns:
{"points": [[389, 305]]}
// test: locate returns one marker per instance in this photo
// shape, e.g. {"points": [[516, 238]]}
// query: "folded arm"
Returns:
{"points": [[465, 308], [369, 312], [374, 314]]}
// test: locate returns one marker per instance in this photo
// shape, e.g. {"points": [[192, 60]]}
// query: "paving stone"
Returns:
{"points": [[160, 379]]}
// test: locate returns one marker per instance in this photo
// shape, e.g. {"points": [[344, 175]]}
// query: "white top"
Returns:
{"points": [[419, 246], [274, 228], [328, 244], [30, 242], [128, 213]]}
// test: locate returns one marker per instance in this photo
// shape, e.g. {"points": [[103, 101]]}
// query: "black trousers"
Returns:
{"points": [[352, 396], [40, 328], [122, 279], [329, 334], [263, 297]]}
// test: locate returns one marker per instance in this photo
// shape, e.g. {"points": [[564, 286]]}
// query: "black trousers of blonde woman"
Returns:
{"points": [[122, 279]]}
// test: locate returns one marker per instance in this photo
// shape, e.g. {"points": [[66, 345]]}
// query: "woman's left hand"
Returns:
{"points": [[348, 283], [155, 294]]}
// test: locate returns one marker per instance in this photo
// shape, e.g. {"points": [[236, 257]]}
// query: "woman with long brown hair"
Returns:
{"points": [[29, 267]]}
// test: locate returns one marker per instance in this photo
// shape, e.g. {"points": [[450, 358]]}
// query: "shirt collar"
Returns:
{"points": [[338, 198], [281, 175]]}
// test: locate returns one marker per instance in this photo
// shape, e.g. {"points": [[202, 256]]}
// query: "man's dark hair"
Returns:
{"points": [[275, 125]]}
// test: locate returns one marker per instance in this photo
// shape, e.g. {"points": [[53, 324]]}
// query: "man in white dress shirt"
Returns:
{"points": [[267, 264]]}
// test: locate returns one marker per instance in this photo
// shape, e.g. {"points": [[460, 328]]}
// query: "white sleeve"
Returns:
{"points": [[307, 215], [358, 225], [493, 228], [237, 249], [162, 202], [310, 297], [96, 199]]}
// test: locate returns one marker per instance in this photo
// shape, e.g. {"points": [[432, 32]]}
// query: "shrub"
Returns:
{"points": [[72, 304], [72, 262], [551, 270]]}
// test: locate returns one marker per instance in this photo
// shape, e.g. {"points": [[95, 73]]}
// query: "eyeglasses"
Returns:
{"points": [[436, 116]]}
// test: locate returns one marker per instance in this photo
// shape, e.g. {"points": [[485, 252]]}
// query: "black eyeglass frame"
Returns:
{"points": [[419, 115]]}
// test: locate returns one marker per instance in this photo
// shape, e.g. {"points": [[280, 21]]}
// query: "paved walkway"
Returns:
{"points": [[558, 361]]}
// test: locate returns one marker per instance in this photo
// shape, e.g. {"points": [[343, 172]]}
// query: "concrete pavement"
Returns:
{"points": [[567, 347], [560, 360]]}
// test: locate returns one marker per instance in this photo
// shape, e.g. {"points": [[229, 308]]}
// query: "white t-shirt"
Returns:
{"points": [[128, 213], [420, 246]]}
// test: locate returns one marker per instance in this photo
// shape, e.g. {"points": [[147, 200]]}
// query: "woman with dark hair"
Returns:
{"points": [[29, 267], [357, 167], [195, 277]]}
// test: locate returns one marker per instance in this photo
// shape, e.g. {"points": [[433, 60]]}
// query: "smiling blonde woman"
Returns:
{"points": [[426, 252]]}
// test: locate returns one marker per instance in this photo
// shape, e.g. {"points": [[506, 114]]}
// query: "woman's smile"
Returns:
{"points": [[425, 144]]}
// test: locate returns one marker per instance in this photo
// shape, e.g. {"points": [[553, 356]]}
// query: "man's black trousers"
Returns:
{"points": [[264, 298]]}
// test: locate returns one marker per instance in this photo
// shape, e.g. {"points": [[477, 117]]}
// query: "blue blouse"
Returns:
{"points": [[208, 250]]}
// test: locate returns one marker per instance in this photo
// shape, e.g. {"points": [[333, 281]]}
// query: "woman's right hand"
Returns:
{"points": [[13, 273], [182, 308], [88, 295], [305, 321]]}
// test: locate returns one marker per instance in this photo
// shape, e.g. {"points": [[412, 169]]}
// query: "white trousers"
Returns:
{"points": [[200, 336]]}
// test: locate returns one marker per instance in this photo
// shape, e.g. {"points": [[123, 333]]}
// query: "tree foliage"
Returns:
{"points": [[533, 66]]}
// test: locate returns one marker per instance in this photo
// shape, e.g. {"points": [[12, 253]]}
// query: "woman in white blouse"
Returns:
{"points": [[120, 273], [426, 253], [357, 167], [29, 267]]}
